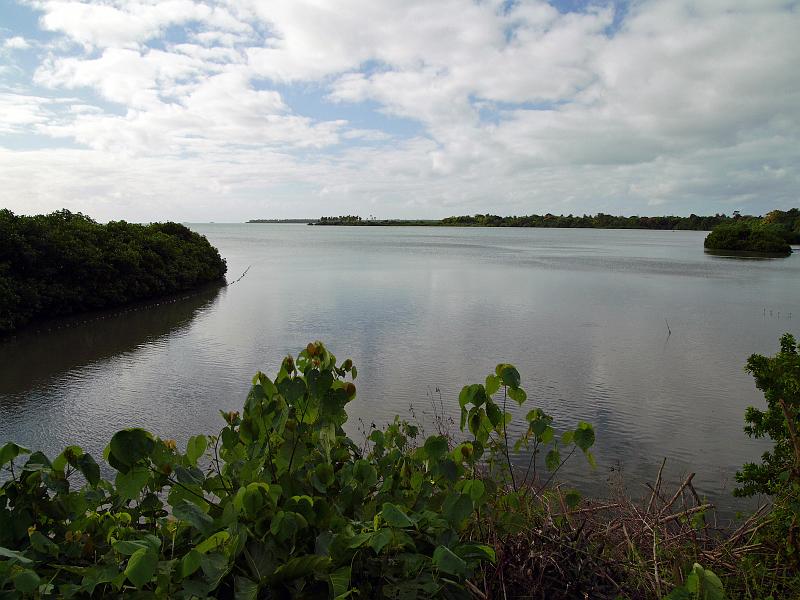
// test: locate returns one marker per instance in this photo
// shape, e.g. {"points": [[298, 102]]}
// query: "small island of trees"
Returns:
{"points": [[64, 263], [770, 235]]}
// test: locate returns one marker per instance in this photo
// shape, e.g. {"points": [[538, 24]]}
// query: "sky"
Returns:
{"points": [[151, 110]]}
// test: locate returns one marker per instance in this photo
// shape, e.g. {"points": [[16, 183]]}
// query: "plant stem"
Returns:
{"points": [[505, 436]]}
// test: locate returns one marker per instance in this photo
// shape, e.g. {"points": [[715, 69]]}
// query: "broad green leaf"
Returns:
{"points": [[474, 394], [246, 589], [340, 581], [141, 567], [436, 446], [9, 451], [476, 552], [492, 385], [494, 413], [552, 459], [584, 436], [518, 395], [89, 468], [214, 541], [380, 539], [190, 563], [26, 581], [43, 544], [474, 488], [131, 482], [195, 447], [457, 507], [508, 375], [301, 566], [572, 498], [129, 547], [448, 562], [192, 514], [15, 556], [128, 447], [395, 517]]}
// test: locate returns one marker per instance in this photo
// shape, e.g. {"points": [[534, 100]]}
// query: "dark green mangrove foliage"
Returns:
{"points": [[778, 475], [281, 504], [748, 235], [64, 263]]}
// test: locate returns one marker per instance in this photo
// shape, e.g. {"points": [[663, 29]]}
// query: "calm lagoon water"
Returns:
{"points": [[423, 311]]}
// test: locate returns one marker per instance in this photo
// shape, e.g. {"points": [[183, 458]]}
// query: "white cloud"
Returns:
{"points": [[16, 43], [682, 106]]}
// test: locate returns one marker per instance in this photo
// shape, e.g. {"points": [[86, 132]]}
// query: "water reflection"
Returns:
{"points": [[581, 313], [38, 357]]}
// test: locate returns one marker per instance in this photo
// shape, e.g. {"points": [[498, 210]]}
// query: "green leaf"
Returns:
{"points": [[26, 581], [493, 413], [552, 459], [474, 488], [130, 483], [474, 394], [518, 395], [129, 547], [141, 567], [340, 581], [448, 562], [476, 552], [456, 508], [301, 566], [246, 589], [395, 517], [190, 563], [9, 451], [508, 375], [128, 447], [584, 436], [43, 544], [89, 468], [380, 539], [572, 498], [192, 514], [195, 448], [213, 541], [15, 556], [436, 446], [492, 385]]}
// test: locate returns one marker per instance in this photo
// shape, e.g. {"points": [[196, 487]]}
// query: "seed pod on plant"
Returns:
{"points": [[349, 389]]}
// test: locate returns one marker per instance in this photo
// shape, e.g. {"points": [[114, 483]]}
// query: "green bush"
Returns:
{"points": [[280, 504], [64, 263], [778, 474], [748, 235]]}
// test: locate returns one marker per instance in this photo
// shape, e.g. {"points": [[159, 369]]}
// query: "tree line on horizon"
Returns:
{"points": [[786, 221]]}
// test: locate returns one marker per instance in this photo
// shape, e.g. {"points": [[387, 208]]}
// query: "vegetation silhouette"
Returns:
{"points": [[65, 263]]}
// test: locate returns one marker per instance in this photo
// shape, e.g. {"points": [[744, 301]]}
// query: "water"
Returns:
{"points": [[581, 313]]}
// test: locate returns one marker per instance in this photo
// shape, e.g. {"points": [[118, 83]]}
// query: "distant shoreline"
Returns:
{"points": [[599, 221]]}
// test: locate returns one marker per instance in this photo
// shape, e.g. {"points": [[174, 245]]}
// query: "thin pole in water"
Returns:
{"points": [[669, 331]]}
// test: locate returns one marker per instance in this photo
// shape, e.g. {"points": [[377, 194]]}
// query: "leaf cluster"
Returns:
{"points": [[280, 504]]}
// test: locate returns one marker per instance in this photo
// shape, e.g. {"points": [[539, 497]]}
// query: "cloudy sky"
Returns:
{"points": [[237, 109]]}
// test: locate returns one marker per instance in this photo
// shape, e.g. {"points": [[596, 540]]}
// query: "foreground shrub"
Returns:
{"points": [[280, 504], [64, 263]]}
